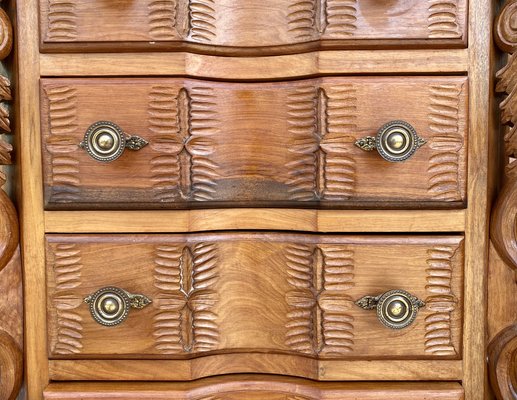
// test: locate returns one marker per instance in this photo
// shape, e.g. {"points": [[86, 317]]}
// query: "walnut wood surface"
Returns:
{"points": [[249, 387], [249, 26], [254, 144], [251, 292]]}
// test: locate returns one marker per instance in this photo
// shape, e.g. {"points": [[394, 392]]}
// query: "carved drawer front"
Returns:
{"points": [[245, 387], [224, 294], [282, 144], [250, 26]]}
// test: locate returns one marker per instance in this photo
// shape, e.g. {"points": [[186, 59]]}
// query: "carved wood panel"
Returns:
{"points": [[223, 294], [255, 144], [249, 26]]}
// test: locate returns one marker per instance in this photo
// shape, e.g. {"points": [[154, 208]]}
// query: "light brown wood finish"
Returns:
{"points": [[244, 27], [172, 370], [296, 297], [179, 221], [30, 198], [503, 264], [258, 387], [235, 144], [381, 61]]}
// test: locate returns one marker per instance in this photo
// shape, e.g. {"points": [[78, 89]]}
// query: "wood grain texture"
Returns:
{"points": [[410, 61], [212, 294], [180, 221], [276, 364], [254, 388], [502, 354], [29, 195], [236, 144], [250, 27]]}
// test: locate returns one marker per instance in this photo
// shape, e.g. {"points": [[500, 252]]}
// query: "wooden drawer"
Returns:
{"points": [[277, 144], [249, 26], [247, 387], [220, 295]]}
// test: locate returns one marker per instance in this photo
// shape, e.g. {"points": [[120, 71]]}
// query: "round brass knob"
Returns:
{"points": [[396, 309], [105, 141], [110, 306], [396, 141]]}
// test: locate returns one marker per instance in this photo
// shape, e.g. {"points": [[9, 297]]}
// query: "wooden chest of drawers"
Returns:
{"points": [[293, 190]]}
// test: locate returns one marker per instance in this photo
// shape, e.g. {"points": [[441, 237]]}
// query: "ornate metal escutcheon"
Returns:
{"points": [[105, 141], [396, 309], [396, 141], [110, 306]]}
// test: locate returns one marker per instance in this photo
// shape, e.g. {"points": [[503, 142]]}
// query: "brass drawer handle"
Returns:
{"points": [[396, 141], [396, 309], [105, 141], [110, 306]]}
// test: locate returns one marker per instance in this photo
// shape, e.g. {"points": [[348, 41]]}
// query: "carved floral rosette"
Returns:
{"points": [[503, 348]]}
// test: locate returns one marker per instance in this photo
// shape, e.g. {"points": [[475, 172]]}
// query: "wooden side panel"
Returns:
{"points": [[248, 387], [252, 292], [250, 26], [255, 144]]}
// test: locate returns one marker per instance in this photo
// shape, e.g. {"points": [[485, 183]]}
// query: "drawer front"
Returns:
{"points": [[245, 387], [249, 26], [274, 144], [223, 294]]}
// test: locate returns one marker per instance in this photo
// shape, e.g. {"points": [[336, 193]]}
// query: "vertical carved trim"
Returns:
{"points": [[441, 301], [502, 351], [5, 123], [443, 19], [318, 120], [67, 275], [61, 144], [318, 319], [443, 167], [62, 20], [162, 19], [186, 275], [202, 20]]}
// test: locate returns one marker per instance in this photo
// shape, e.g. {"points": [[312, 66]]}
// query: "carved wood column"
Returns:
{"points": [[11, 313], [503, 347]]}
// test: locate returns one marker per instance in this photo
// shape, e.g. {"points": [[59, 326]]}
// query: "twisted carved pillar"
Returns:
{"points": [[503, 348], [11, 326]]}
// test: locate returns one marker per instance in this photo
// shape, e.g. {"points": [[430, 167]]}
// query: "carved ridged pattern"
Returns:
{"points": [[67, 275], [318, 321], [446, 143], [319, 120], [507, 83], [311, 19], [5, 123], [185, 276], [162, 19], [443, 19], [202, 20], [62, 20], [440, 301], [183, 123], [61, 144]]}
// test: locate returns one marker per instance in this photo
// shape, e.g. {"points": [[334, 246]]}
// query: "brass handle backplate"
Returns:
{"points": [[396, 141], [110, 306], [105, 141], [396, 309]]}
